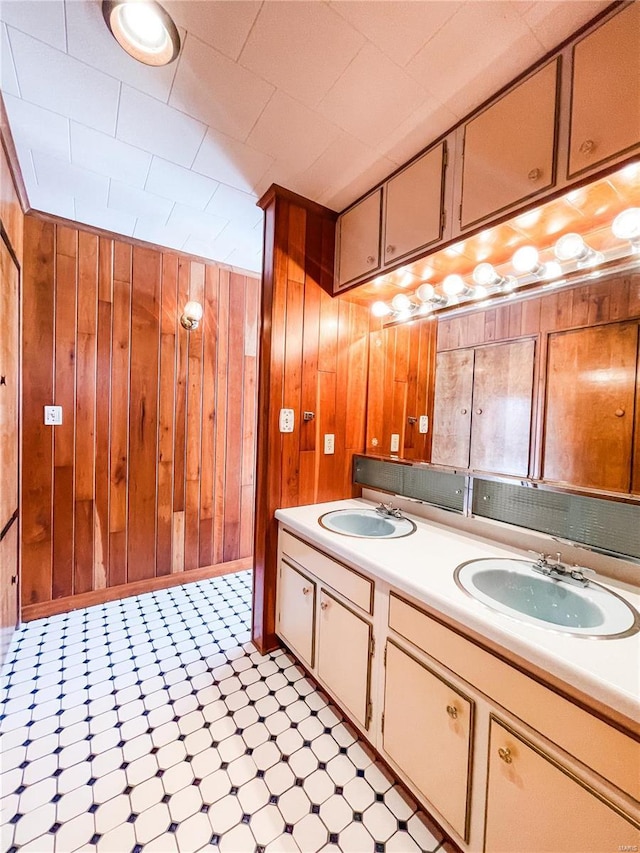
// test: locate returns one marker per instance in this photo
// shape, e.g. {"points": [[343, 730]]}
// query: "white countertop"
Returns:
{"points": [[422, 566]]}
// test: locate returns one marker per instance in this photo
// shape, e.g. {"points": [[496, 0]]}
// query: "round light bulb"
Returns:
{"points": [[143, 26], [571, 247], [425, 292], [193, 310], [454, 285], [626, 225], [525, 259], [380, 309], [143, 29], [401, 302], [485, 274]]}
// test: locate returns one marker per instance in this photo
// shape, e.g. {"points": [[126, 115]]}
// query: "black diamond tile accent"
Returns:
{"points": [[132, 818], [137, 849], [204, 809], [299, 782], [224, 765], [57, 750], [215, 840], [54, 828], [92, 781], [272, 737], [248, 751], [166, 798], [54, 799], [357, 816], [181, 737], [288, 828], [306, 743], [234, 790], [19, 790], [327, 730], [315, 809], [379, 848], [273, 799], [172, 827], [338, 790], [343, 750], [260, 774], [403, 826], [260, 849], [93, 808], [215, 744], [154, 750], [379, 798], [197, 782], [284, 759], [124, 765], [24, 765], [160, 774], [128, 790], [360, 773], [246, 818], [333, 838], [95, 838], [322, 765]]}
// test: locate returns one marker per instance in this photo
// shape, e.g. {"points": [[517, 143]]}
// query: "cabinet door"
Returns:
{"points": [[427, 732], [591, 375], [535, 806], [344, 655], [296, 611], [452, 408], [359, 236], [413, 217], [502, 395], [605, 103], [509, 148]]}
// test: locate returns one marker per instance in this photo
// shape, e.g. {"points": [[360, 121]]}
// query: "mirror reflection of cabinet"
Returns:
{"points": [[400, 390], [482, 414]]}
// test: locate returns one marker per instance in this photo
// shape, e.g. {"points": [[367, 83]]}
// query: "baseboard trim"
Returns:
{"points": [[101, 596]]}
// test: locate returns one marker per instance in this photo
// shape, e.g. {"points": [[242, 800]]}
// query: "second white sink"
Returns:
{"points": [[366, 524]]}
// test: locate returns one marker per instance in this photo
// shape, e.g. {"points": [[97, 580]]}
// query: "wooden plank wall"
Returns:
{"points": [[314, 358], [151, 474], [400, 386]]}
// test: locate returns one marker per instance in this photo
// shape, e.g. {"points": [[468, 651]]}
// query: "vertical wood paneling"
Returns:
{"points": [[152, 470]]}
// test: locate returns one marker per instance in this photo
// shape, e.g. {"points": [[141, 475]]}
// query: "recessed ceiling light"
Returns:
{"points": [[143, 29]]}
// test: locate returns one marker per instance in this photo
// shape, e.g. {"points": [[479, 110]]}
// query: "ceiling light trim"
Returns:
{"points": [[155, 52]]}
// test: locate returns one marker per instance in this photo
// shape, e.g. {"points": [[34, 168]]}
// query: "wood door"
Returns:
{"points": [[605, 101], [509, 148], [359, 239], [591, 375], [452, 408], [344, 655], [534, 805], [296, 611], [413, 216], [427, 732], [9, 438], [502, 399]]}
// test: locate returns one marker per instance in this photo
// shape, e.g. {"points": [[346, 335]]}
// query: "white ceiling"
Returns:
{"points": [[325, 98]]}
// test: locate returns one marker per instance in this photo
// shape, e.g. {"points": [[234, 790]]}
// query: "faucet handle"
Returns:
{"points": [[542, 557]]}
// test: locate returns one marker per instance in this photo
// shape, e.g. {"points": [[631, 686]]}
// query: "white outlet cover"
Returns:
{"points": [[395, 442], [53, 415], [424, 424], [329, 444], [287, 420]]}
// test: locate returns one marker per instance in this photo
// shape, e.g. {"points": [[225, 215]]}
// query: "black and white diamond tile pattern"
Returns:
{"points": [[153, 724]]}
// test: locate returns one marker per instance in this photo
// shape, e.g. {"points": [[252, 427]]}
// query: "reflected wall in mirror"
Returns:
{"points": [[400, 390]]}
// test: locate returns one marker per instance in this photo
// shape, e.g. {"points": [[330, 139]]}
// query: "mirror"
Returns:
{"points": [[400, 390]]}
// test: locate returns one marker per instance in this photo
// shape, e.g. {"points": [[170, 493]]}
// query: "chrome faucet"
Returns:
{"points": [[576, 575], [389, 510]]}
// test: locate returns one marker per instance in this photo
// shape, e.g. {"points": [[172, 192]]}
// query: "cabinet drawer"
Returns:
{"points": [[353, 586], [425, 716], [612, 754]]}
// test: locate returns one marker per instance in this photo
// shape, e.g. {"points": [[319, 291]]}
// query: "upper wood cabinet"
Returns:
{"points": [[413, 211], [509, 147], [590, 393], [359, 239], [482, 408], [605, 103]]}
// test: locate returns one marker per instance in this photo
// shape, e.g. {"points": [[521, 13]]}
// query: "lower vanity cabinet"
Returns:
{"points": [[535, 805], [428, 731], [344, 656], [296, 613]]}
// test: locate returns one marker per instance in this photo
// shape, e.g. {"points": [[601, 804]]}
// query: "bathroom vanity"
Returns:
{"points": [[513, 735]]}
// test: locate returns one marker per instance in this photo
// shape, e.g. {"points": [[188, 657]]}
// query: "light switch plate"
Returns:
{"points": [[286, 420], [395, 442], [329, 444], [53, 415], [424, 424]]}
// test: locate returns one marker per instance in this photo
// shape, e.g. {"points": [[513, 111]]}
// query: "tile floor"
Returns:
{"points": [[153, 724]]}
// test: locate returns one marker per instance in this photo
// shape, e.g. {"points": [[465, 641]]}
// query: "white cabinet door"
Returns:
{"points": [[296, 611], [413, 216], [427, 732], [534, 805], [359, 239], [344, 655]]}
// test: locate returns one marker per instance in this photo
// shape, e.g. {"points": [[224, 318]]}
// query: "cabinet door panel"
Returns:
{"points": [[344, 642], [452, 408], [296, 611], [359, 251], [605, 105], [427, 732], [591, 376], [509, 148], [502, 395], [413, 212], [535, 807]]}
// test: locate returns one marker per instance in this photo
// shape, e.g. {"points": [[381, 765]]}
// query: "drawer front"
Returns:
{"points": [[428, 728], [609, 752], [353, 586]]}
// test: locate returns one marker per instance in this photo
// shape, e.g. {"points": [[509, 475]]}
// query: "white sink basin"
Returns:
{"points": [[511, 587], [366, 523]]}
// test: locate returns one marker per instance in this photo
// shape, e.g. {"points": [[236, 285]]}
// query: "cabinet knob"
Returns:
{"points": [[619, 413], [390, 249], [587, 146], [478, 411], [370, 259], [505, 754], [452, 711], [463, 411], [324, 605], [535, 174], [306, 590]]}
